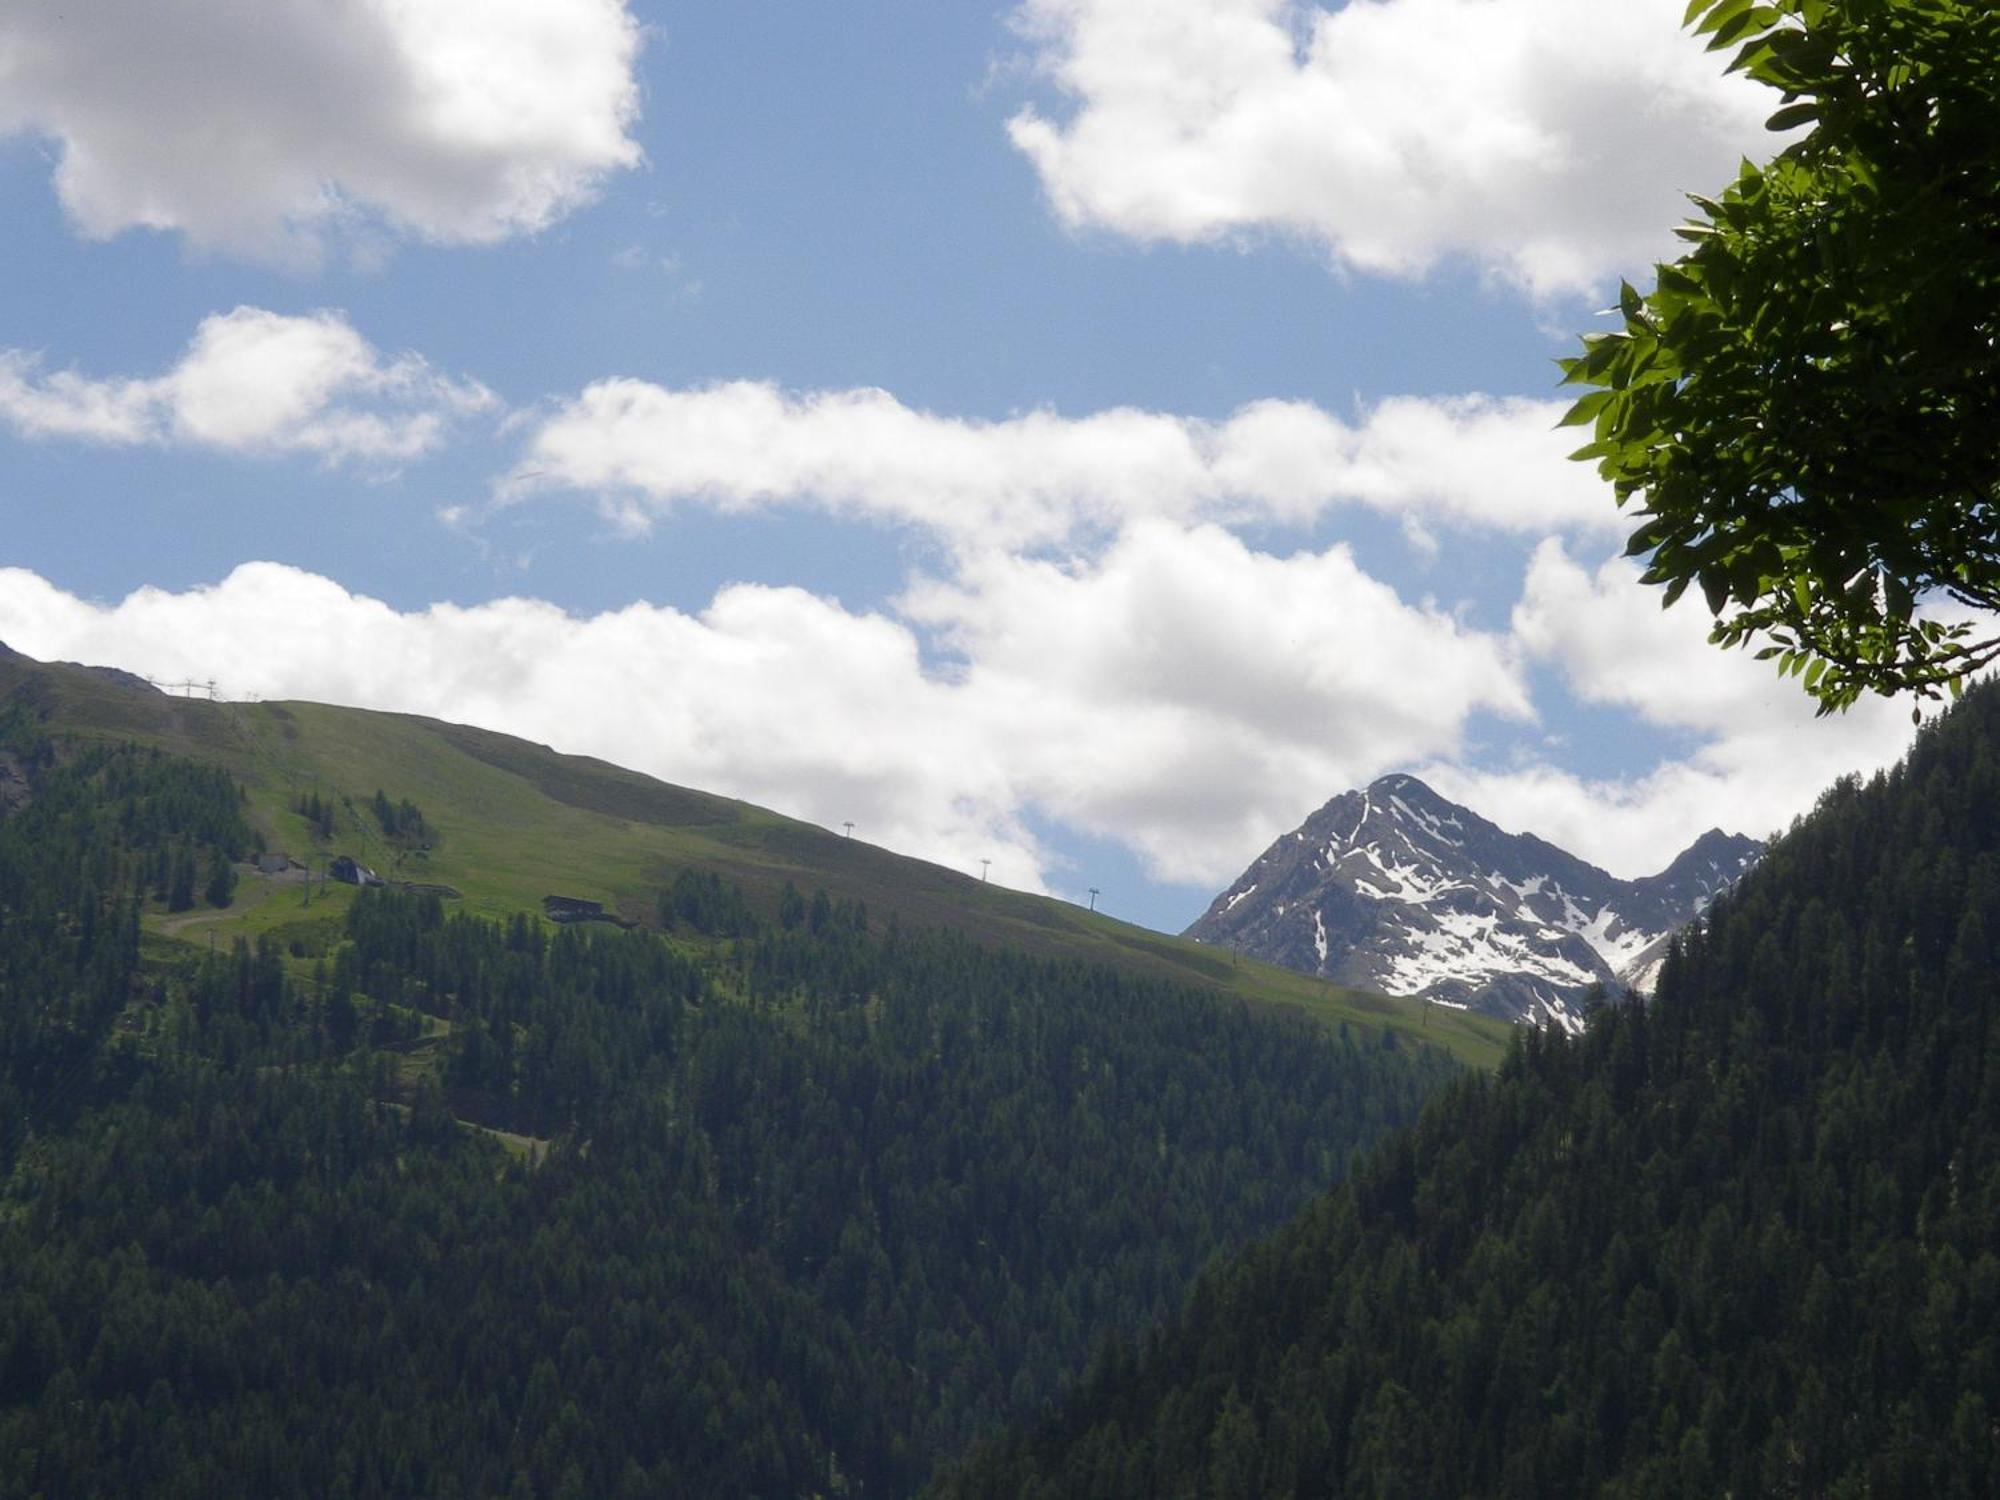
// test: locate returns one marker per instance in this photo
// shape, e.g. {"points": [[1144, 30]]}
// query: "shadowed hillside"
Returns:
{"points": [[1738, 1242]]}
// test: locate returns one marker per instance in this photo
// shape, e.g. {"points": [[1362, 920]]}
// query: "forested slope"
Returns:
{"points": [[436, 1204], [1742, 1241]]}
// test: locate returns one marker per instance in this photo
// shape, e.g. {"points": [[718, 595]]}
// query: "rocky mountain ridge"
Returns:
{"points": [[1397, 889]]}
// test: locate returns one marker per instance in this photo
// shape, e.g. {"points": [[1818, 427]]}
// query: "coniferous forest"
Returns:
{"points": [[424, 1203], [1018, 461], [1742, 1241], [437, 1205]]}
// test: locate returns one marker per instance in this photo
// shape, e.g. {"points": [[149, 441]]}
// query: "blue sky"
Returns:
{"points": [[1081, 434]]}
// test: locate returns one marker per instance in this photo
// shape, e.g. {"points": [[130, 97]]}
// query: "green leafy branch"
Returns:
{"points": [[1803, 414]]}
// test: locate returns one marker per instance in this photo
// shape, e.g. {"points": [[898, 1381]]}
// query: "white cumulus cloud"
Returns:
{"points": [[1040, 478], [262, 127], [252, 381], [1760, 758], [1547, 141], [1184, 694], [1117, 698]]}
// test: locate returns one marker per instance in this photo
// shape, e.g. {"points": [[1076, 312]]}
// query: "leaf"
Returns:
{"points": [[1715, 589], [1720, 14], [1586, 408], [1682, 279], [1737, 27]]}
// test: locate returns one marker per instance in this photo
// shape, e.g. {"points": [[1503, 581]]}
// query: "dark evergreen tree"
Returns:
{"points": [[221, 887], [791, 907], [180, 879]]}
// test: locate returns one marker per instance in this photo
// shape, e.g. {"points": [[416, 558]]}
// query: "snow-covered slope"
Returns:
{"points": [[1396, 889]]}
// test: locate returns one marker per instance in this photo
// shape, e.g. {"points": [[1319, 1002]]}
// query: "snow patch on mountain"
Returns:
{"points": [[1617, 944], [1396, 889]]}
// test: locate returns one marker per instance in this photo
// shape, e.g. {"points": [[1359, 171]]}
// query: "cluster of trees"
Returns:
{"points": [[182, 825], [402, 822], [112, 830], [1739, 1241], [801, 1210], [963, 1165], [320, 812], [702, 902]]}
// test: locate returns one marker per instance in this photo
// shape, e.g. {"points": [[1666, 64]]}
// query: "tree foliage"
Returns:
{"points": [[416, 1203], [1806, 407], [402, 823], [1737, 1242]]}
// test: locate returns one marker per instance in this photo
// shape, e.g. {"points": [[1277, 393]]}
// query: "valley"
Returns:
{"points": [[1417, 582], [737, 1156]]}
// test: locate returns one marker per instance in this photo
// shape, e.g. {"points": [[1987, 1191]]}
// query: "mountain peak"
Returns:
{"points": [[1403, 784], [1715, 847], [1396, 888]]}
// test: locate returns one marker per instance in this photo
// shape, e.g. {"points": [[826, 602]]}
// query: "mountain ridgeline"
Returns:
{"points": [[379, 1195], [1737, 1241], [1398, 890]]}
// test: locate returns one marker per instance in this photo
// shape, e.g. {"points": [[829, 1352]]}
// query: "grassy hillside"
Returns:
{"points": [[515, 822]]}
